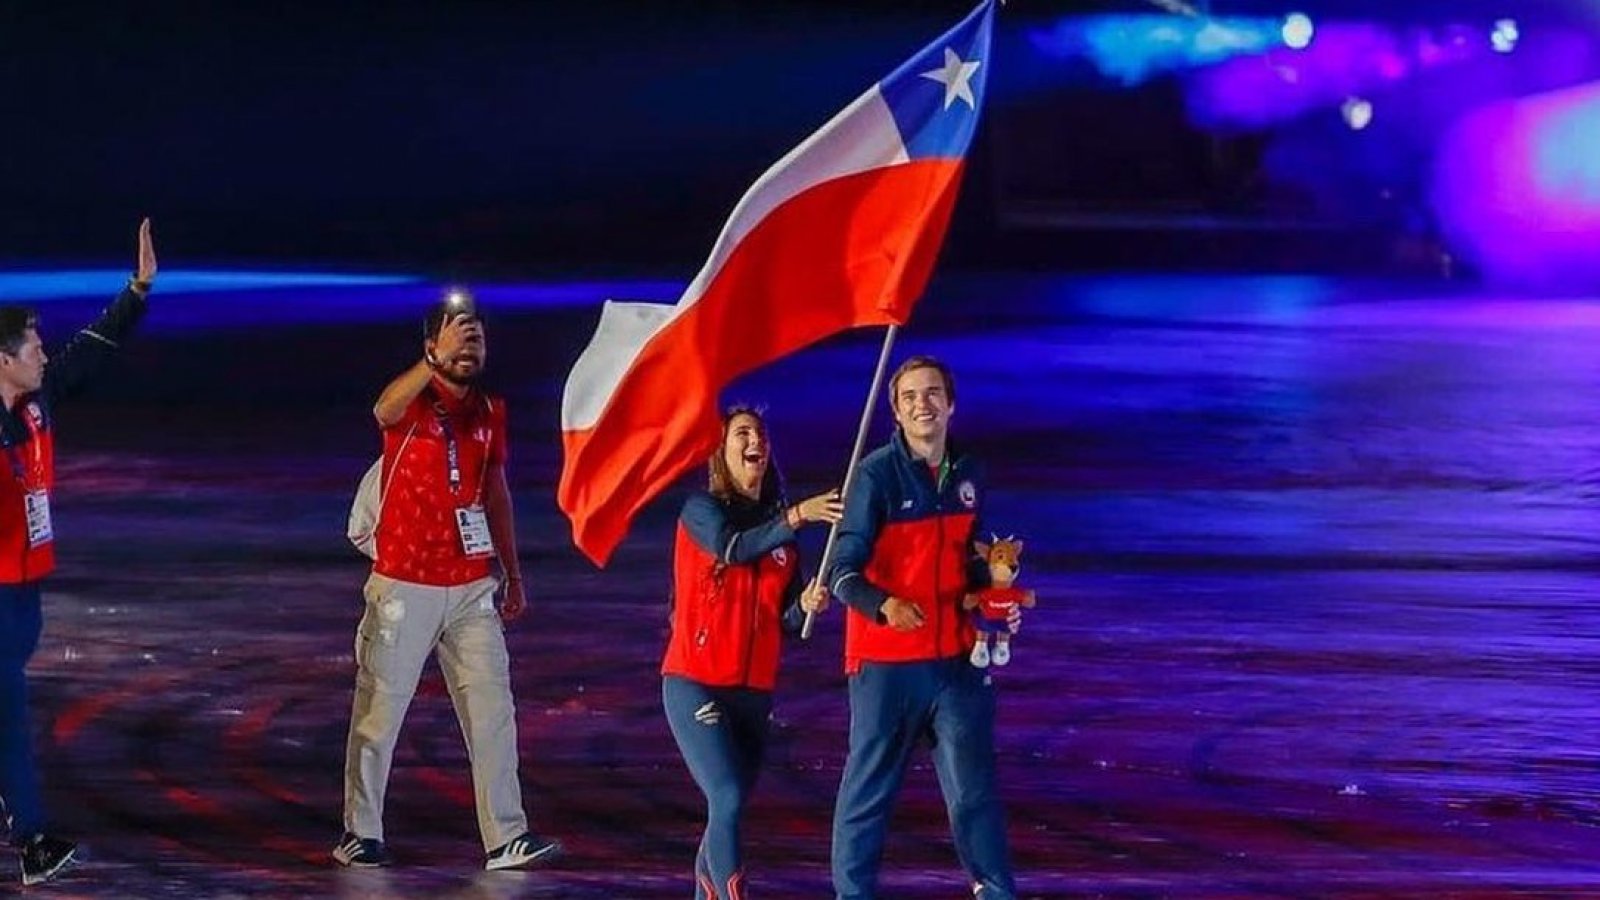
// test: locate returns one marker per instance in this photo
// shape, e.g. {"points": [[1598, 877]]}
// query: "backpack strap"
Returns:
{"points": [[383, 483]]}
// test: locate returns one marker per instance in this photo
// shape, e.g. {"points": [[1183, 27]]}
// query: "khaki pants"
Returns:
{"points": [[403, 623]]}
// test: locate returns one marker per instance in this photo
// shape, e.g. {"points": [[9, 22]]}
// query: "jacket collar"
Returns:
{"points": [[903, 450]]}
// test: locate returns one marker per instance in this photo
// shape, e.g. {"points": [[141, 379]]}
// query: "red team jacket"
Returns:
{"points": [[907, 535], [27, 436], [736, 589]]}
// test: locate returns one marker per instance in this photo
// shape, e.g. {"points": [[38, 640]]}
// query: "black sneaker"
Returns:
{"points": [[360, 852], [522, 851], [43, 857]]}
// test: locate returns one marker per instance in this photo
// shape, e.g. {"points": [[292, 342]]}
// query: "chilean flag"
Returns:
{"points": [[840, 233]]}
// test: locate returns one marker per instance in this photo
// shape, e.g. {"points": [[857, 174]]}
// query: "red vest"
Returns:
{"points": [[727, 620], [920, 536], [35, 460]]}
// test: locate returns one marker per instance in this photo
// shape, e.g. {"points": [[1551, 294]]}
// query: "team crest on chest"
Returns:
{"points": [[968, 492], [780, 556], [36, 414]]}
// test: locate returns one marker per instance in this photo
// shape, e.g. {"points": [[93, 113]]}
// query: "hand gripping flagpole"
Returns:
{"points": [[850, 470]]}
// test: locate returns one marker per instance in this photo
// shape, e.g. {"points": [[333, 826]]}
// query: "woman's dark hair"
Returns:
{"points": [[721, 480]]}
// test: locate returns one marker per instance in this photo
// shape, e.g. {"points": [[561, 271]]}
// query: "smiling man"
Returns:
{"points": [[905, 559], [444, 519]]}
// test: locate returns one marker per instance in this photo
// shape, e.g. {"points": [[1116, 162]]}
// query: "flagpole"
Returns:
{"points": [[855, 459]]}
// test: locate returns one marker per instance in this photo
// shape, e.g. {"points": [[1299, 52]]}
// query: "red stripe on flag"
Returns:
{"points": [[850, 252]]}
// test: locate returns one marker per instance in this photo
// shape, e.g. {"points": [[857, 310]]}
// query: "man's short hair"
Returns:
{"points": [[454, 302], [15, 322], [922, 362]]}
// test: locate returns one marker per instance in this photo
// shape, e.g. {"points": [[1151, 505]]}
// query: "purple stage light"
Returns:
{"points": [[1347, 59], [1517, 188]]}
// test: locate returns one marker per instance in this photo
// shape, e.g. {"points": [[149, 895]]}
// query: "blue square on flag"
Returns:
{"points": [[935, 96]]}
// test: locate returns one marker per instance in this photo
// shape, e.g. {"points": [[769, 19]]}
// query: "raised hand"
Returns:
{"points": [[146, 272], [456, 333]]}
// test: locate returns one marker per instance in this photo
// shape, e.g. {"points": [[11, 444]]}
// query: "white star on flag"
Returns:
{"points": [[956, 76]]}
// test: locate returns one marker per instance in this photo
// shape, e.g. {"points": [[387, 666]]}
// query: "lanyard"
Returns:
{"points": [[452, 450], [29, 475]]}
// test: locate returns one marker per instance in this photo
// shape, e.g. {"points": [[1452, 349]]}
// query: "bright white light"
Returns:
{"points": [[1504, 36], [1298, 30], [1357, 113]]}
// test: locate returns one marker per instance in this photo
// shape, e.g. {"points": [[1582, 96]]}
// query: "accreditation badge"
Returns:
{"points": [[473, 525], [37, 506]]}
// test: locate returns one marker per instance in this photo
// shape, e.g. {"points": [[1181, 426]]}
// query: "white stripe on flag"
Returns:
{"points": [[862, 137]]}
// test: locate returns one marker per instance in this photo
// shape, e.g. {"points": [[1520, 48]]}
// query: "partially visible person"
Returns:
{"points": [[737, 588], [32, 385]]}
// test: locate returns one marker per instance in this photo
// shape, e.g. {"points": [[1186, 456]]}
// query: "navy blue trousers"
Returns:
{"points": [[722, 734], [20, 624], [949, 705]]}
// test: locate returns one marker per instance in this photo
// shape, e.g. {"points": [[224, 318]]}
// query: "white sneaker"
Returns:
{"points": [[522, 851], [980, 654], [1002, 652]]}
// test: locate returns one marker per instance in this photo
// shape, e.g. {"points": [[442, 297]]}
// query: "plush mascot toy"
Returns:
{"points": [[992, 607]]}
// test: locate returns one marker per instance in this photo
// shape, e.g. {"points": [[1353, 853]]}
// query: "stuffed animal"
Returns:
{"points": [[992, 607]]}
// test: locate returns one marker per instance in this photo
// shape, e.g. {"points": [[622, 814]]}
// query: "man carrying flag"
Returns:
{"points": [[842, 232], [905, 561]]}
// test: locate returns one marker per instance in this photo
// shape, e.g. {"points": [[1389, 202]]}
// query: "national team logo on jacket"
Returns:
{"points": [[968, 493], [36, 414], [481, 435], [780, 556]]}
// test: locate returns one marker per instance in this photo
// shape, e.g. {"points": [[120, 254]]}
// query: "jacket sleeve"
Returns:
{"points": [[707, 524], [794, 618], [76, 364], [864, 514]]}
